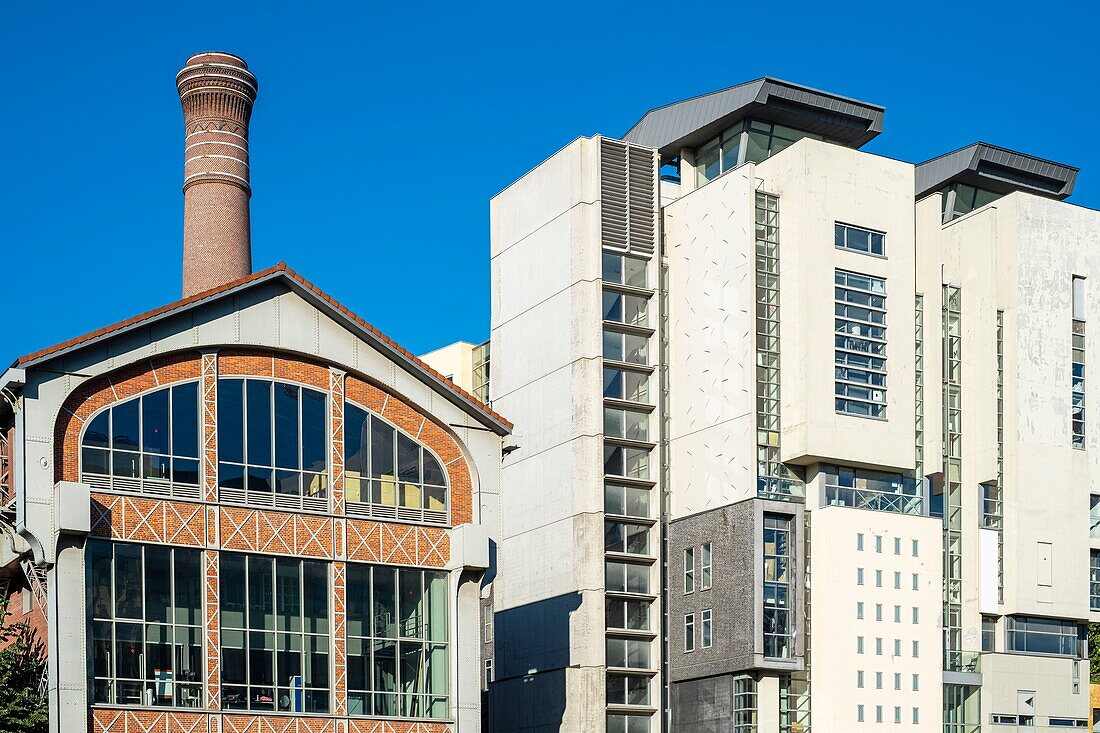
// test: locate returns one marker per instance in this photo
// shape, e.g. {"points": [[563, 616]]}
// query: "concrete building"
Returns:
{"points": [[247, 510], [803, 436]]}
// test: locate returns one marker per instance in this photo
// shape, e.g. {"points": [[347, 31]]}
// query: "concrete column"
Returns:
{"points": [[767, 703], [68, 645]]}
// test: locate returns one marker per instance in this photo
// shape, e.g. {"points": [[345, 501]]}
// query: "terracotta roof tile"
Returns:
{"points": [[280, 267]]}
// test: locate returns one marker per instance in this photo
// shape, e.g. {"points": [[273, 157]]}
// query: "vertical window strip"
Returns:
{"points": [[918, 385], [952, 462], [777, 571], [744, 705], [774, 480], [1094, 580], [1000, 456], [860, 343], [1077, 394]]}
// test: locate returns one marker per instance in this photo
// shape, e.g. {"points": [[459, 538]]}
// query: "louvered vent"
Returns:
{"points": [[628, 197]]}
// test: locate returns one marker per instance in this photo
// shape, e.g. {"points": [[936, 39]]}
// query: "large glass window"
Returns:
{"points": [[962, 198], [860, 370], [272, 444], [622, 270], [626, 614], [145, 612], [857, 239], [628, 462], [632, 310], [875, 490], [149, 443], [626, 537], [629, 348], [274, 634], [397, 642], [388, 474], [1035, 635], [1094, 516], [628, 653], [1077, 395], [1094, 580], [777, 586], [625, 384], [624, 577], [628, 501], [625, 424], [627, 689], [620, 723]]}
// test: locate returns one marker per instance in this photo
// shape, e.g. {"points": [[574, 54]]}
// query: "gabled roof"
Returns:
{"points": [[316, 297], [690, 122], [996, 169]]}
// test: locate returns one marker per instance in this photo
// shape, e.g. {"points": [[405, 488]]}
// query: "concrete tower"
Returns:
{"points": [[217, 91]]}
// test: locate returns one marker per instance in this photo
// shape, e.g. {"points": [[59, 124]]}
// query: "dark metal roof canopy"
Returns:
{"points": [[692, 122], [996, 169]]}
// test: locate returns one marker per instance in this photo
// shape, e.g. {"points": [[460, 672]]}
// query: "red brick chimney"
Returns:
{"points": [[217, 91]]}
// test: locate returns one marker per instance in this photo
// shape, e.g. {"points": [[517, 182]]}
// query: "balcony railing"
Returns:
{"points": [[877, 501], [962, 661]]}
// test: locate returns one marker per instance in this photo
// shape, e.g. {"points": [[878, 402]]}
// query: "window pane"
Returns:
{"points": [[411, 604], [381, 449], [289, 595], [408, 458], [154, 419], [435, 589], [188, 586], [158, 585], [231, 420], [185, 420], [314, 430], [124, 417], [232, 594], [259, 422], [128, 653], [128, 588], [261, 608], [99, 579], [612, 268], [96, 434], [358, 600], [286, 426], [315, 579], [385, 602]]}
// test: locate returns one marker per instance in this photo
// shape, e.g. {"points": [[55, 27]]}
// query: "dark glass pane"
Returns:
{"points": [[613, 384], [154, 422], [259, 422], [317, 654], [128, 581], [288, 662], [233, 662], [261, 661], [96, 434], [230, 476], [188, 586], [185, 471], [433, 474], [411, 604], [412, 668], [358, 600], [98, 562], [231, 420], [232, 572], [286, 426], [259, 479], [125, 425], [435, 603], [316, 595], [185, 420], [355, 441], [188, 658], [314, 430], [128, 651], [408, 458], [101, 649], [317, 701], [158, 661], [612, 268], [381, 448], [385, 672], [261, 608], [358, 661], [384, 601], [287, 576], [158, 584], [154, 466], [288, 482], [94, 460]]}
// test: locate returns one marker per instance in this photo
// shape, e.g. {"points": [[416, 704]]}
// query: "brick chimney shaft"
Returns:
{"points": [[217, 92]]}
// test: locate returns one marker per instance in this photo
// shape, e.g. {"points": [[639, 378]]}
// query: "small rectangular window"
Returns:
{"points": [[916, 581], [916, 649], [897, 545], [916, 615], [859, 541], [878, 578], [897, 647], [859, 610], [859, 678], [878, 713], [897, 581], [859, 576], [878, 612], [860, 240], [916, 548], [916, 716], [878, 680], [878, 543], [897, 715], [859, 645], [859, 713], [705, 569], [1078, 298], [897, 614], [706, 622], [878, 645], [689, 570], [916, 682], [897, 680], [689, 632]]}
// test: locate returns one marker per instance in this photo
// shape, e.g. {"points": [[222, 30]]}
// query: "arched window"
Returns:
{"points": [[388, 474], [149, 443], [272, 444]]}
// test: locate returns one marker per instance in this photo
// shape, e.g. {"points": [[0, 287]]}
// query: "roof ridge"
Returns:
{"points": [[280, 269]]}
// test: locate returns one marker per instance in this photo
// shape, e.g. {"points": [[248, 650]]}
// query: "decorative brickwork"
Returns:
{"points": [[339, 638], [213, 632], [210, 425], [109, 720], [137, 519], [336, 425], [397, 543], [278, 533]]}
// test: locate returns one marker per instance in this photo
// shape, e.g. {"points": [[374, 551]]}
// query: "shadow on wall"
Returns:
{"points": [[532, 655]]}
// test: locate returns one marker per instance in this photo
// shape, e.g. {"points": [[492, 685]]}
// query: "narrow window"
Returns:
{"points": [[916, 649], [916, 716], [916, 548], [916, 615], [689, 632], [897, 545], [878, 680], [859, 610], [859, 713], [488, 671], [878, 645], [1094, 580], [704, 570], [859, 678], [897, 614], [878, 543], [916, 581], [860, 346], [1077, 396], [859, 576], [878, 578], [706, 621], [859, 541], [897, 581], [916, 682], [878, 612], [897, 714], [878, 713], [897, 647], [897, 680], [859, 645], [689, 570]]}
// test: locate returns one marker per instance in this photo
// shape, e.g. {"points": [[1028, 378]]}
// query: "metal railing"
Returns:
{"points": [[878, 501]]}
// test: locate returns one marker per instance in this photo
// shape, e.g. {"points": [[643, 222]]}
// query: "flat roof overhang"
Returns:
{"points": [[996, 169], [691, 122]]}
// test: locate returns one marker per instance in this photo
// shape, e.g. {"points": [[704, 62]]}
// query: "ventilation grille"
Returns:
{"points": [[628, 196]]}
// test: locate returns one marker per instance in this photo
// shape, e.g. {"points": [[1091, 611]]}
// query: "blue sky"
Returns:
{"points": [[382, 130]]}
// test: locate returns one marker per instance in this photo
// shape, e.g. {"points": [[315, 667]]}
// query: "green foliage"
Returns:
{"points": [[1094, 652], [23, 708]]}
